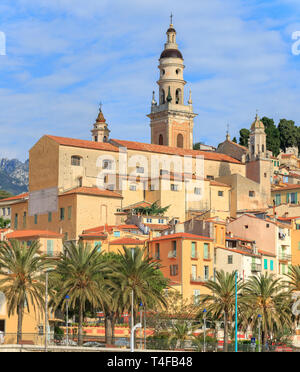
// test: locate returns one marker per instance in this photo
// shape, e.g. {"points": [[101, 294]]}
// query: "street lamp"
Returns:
{"points": [[204, 316], [67, 318], [259, 321], [139, 325]]}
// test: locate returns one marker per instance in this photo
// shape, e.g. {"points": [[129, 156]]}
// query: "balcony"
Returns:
{"points": [[172, 254], [199, 279], [54, 255], [284, 257], [256, 268]]}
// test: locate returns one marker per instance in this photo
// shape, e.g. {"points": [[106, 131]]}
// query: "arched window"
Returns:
{"points": [[162, 97], [161, 139], [178, 96], [180, 140], [76, 160]]}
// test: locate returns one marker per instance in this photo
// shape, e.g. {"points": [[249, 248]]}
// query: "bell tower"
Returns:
{"points": [[100, 132], [171, 120]]}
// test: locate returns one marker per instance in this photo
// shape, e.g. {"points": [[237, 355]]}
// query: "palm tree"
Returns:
{"points": [[221, 301], [22, 278], [140, 275], [181, 331], [294, 278], [78, 275], [266, 296], [293, 284]]}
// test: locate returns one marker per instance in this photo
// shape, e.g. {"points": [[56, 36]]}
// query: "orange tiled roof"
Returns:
{"points": [[109, 228], [216, 183], [17, 197], [64, 141], [286, 186], [239, 251], [264, 253], [153, 226], [139, 146], [181, 236], [127, 241], [93, 191], [174, 151], [33, 234]]}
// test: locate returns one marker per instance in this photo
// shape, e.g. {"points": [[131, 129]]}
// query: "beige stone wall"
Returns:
{"points": [[43, 164], [93, 211]]}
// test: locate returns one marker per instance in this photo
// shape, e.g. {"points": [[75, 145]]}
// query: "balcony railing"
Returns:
{"points": [[50, 254], [200, 279], [285, 257], [255, 267], [207, 256]]}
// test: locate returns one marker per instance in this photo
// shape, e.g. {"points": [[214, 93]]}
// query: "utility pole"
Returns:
{"points": [[204, 344]]}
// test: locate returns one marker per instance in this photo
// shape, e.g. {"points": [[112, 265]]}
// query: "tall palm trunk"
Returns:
{"points": [[20, 322], [80, 339], [108, 328], [225, 347]]}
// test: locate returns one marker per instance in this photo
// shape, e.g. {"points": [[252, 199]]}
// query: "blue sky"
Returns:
{"points": [[65, 56]]}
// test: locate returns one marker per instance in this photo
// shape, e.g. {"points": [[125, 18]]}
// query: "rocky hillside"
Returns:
{"points": [[14, 175]]}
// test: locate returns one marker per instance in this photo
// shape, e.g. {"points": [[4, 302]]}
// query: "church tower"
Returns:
{"points": [[258, 164], [100, 132], [172, 120], [257, 140]]}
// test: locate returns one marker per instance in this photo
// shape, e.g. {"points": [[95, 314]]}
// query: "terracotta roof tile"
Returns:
{"points": [[181, 236], [64, 141], [17, 197], [33, 234], [174, 151], [127, 241], [93, 191]]}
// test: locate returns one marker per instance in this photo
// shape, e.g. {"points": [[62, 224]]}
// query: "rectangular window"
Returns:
{"points": [[140, 170], [69, 213], [107, 164], [50, 249], [161, 220], [271, 265], [24, 220], [265, 264], [149, 220], [229, 260], [193, 250], [196, 296], [49, 216], [174, 248], [197, 190], [206, 272], [174, 187], [251, 194], [117, 234], [277, 199], [98, 245], [220, 193], [62, 214], [206, 251], [297, 226], [173, 270], [16, 221], [298, 246], [35, 219], [194, 272], [157, 251]]}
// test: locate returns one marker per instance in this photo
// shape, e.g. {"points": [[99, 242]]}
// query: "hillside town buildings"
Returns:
{"points": [[226, 208]]}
